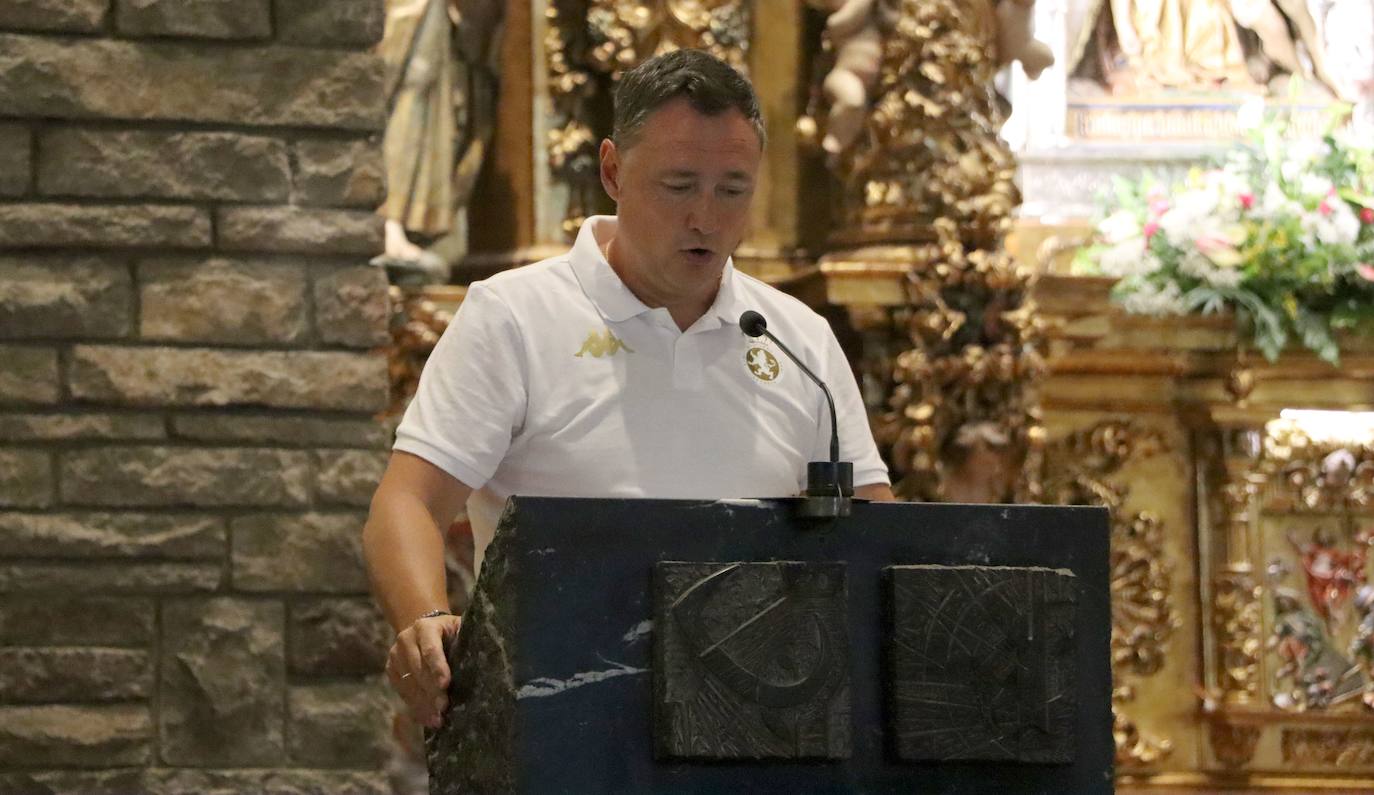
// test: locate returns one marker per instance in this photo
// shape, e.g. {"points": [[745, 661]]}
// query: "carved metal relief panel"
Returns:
{"points": [[981, 663], [751, 661]]}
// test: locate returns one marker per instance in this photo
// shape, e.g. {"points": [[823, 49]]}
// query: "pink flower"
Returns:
{"points": [[1150, 229], [1325, 207], [1367, 215], [1247, 200], [1365, 270], [1159, 207]]}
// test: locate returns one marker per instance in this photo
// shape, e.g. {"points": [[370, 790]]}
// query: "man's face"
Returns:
{"points": [[682, 193]]}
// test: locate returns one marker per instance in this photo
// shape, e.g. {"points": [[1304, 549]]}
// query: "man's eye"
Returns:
{"points": [[677, 188], [733, 191]]}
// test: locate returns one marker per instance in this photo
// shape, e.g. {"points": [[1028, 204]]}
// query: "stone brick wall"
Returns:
{"points": [[188, 378]]}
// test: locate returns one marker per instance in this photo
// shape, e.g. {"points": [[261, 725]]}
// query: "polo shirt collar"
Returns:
{"points": [[612, 298]]}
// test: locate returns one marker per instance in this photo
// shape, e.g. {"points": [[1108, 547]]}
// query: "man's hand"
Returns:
{"points": [[418, 667]]}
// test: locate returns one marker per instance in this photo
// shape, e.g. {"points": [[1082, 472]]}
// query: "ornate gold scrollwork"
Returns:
{"points": [[416, 325], [589, 43], [1233, 743], [1143, 619], [1236, 618]]}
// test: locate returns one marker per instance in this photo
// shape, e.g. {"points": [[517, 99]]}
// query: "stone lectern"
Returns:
{"points": [[683, 646]]}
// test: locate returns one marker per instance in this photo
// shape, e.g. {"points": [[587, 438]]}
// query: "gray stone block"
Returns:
{"points": [[223, 680], [75, 736], [26, 479], [207, 377], [211, 19], [265, 86], [340, 173], [222, 300], [181, 165], [313, 552], [112, 535], [64, 297], [337, 637], [64, 16], [48, 225], [172, 476], [50, 620], [30, 375], [299, 230]]}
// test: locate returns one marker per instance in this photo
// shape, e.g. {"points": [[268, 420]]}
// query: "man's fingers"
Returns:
{"points": [[431, 638]]}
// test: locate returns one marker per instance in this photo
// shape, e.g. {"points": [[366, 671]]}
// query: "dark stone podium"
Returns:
{"points": [[682, 646]]}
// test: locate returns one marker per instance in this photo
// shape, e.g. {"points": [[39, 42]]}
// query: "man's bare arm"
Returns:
{"points": [[877, 492], [403, 545]]}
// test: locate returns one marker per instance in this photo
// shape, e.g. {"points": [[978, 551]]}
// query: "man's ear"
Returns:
{"points": [[610, 169]]}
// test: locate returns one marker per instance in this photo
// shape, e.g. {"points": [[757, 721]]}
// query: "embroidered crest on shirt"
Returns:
{"points": [[602, 343], [761, 364]]}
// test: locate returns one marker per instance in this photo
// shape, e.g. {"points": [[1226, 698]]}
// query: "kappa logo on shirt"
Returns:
{"points": [[602, 343], [762, 364]]}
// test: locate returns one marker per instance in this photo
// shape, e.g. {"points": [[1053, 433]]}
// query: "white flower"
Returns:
{"points": [[1194, 263], [1250, 115], [1127, 258], [1146, 299], [1334, 224], [1314, 186], [1275, 204], [1189, 210], [1119, 227]]}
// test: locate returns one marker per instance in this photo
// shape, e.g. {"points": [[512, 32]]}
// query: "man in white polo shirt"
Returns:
{"points": [[616, 370]]}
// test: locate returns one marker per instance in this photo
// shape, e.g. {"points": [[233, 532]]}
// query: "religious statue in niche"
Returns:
{"points": [[442, 62], [1148, 47]]}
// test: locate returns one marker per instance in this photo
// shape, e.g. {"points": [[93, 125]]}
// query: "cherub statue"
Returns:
{"points": [[1016, 38], [855, 31], [856, 39]]}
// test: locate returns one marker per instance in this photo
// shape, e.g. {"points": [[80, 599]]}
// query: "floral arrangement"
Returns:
{"points": [[1279, 231]]}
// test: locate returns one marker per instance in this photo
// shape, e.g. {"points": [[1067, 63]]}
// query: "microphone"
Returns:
{"points": [[829, 484]]}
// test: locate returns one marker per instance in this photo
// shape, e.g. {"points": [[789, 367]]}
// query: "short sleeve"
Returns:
{"points": [[472, 396], [856, 437]]}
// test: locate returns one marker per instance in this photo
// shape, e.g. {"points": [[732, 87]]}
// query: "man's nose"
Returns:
{"points": [[703, 216]]}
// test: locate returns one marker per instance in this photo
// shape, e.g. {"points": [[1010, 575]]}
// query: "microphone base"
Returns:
{"points": [[829, 490], [823, 507]]}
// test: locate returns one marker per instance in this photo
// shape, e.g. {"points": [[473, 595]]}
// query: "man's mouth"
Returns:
{"points": [[699, 253]]}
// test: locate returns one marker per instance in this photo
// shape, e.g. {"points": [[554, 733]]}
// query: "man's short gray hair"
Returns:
{"points": [[711, 86]]}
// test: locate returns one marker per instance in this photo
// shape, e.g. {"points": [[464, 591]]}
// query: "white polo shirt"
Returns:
{"points": [[555, 380]]}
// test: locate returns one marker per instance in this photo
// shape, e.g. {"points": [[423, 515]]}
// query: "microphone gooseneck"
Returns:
{"points": [[753, 324], [829, 484]]}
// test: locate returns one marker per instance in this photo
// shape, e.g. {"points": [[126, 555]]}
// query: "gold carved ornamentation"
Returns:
{"points": [[1236, 609], [590, 43], [1078, 468], [962, 420], [1329, 747], [926, 186], [416, 325], [1319, 475], [1233, 743], [929, 148]]}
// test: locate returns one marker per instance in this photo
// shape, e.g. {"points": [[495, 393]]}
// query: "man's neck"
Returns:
{"points": [[684, 312]]}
